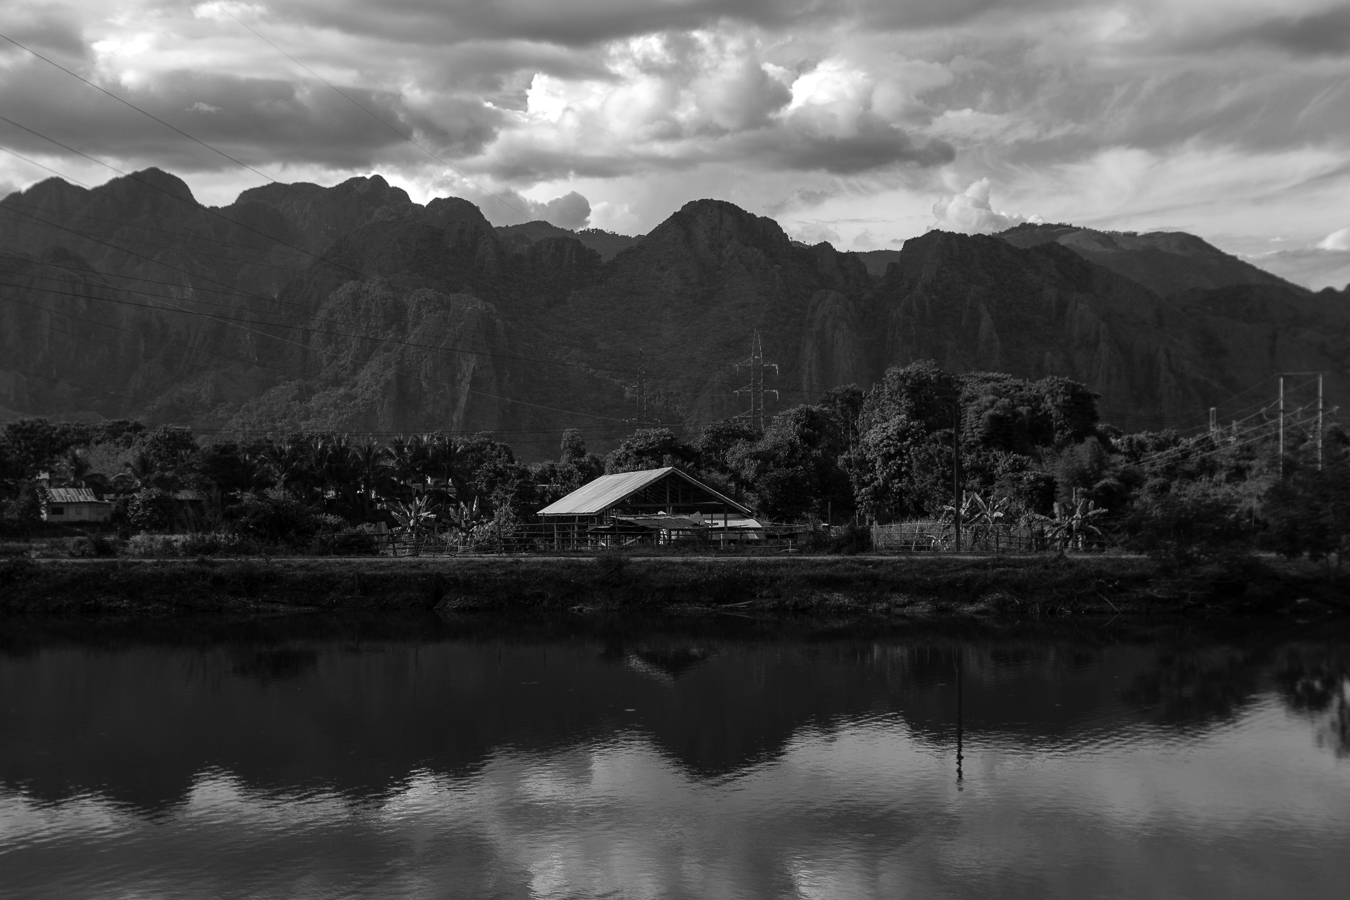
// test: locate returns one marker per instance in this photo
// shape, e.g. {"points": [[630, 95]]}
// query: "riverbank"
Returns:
{"points": [[899, 587]]}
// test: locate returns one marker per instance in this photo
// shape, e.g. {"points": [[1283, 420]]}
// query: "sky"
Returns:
{"points": [[859, 122]]}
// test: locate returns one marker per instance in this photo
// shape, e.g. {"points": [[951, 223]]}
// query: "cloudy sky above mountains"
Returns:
{"points": [[861, 122]]}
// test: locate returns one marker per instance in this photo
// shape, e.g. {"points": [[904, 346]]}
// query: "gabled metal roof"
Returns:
{"points": [[71, 495], [609, 490]]}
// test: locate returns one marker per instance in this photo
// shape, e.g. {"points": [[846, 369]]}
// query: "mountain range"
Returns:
{"points": [[353, 308]]}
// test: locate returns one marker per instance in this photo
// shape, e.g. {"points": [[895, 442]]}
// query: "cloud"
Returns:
{"points": [[52, 30], [571, 210], [268, 123], [577, 23], [641, 104], [1324, 33], [969, 212], [1337, 240], [813, 233]]}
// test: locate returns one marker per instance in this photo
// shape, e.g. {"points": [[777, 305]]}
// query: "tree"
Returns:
{"points": [[717, 440], [1308, 512], [370, 466], [1184, 525], [902, 471], [651, 448], [169, 449], [795, 470], [151, 509]]}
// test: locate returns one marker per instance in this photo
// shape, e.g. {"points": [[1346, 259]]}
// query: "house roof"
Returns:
{"points": [[71, 495], [609, 490]]}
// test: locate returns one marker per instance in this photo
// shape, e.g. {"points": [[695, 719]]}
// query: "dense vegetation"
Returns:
{"points": [[1029, 452]]}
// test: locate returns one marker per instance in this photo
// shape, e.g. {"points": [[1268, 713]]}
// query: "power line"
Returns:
{"points": [[124, 102], [524, 215]]}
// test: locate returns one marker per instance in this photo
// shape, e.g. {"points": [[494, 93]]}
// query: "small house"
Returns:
{"points": [[67, 504], [652, 506]]}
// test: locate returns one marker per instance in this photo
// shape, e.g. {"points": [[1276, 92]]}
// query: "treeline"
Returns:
{"points": [[1020, 451]]}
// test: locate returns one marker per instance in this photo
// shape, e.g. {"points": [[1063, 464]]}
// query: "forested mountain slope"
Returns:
{"points": [[353, 308]]}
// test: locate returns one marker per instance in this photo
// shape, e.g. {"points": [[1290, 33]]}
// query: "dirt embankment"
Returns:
{"points": [[892, 587]]}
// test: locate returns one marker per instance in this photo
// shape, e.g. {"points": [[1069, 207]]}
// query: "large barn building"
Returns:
{"points": [[652, 506]]}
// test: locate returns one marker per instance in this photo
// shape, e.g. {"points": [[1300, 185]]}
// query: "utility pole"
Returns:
{"points": [[756, 388], [1319, 424], [956, 472], [642, 420], [642, 388], [1299, 412]]}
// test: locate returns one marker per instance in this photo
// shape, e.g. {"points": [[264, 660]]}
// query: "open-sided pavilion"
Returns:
{"points": [[656, 505]]}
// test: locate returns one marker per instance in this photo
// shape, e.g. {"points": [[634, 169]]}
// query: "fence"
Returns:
{"points": [[935, 535], [544, 539], [919, 536]]}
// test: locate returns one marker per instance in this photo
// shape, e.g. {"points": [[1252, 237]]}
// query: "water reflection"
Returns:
{"points": [[673, 762]]}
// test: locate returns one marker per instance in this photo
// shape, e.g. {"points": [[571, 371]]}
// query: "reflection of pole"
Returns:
{"points": [[960, 756]]}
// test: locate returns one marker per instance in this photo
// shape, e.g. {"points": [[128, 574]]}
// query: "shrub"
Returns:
{"points": [[21, 514], [151, 509], [275, 517], [92, 545], [347, 542], [1309, 513], [151, 545], [1187, 526]]}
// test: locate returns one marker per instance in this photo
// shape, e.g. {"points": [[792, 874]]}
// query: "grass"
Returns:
{"points": [[900, 587]]}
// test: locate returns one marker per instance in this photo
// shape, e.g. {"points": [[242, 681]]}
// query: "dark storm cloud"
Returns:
{"points": [[492, 67], [876, 145], [263, 121], [921, 14], [571, 210], [51, 31], [1322, 34], [574, 23]]}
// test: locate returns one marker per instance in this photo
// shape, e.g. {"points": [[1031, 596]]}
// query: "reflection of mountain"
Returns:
{"points": [[140, 723], [667, 663]]}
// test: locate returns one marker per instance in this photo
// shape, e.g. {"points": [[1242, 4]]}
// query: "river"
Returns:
{"points": [[325, 758]]}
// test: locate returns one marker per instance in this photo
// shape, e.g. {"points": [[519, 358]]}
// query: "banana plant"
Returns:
{"points": [[1073, 526], [415, 518], [979, 517]]}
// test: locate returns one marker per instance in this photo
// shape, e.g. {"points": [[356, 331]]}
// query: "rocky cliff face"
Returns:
{"points": [[353, 308], [1165, 262]]}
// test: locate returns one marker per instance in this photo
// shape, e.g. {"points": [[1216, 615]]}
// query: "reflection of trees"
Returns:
{"points": [[1192, 686], [276, 663], [1315, 682]]}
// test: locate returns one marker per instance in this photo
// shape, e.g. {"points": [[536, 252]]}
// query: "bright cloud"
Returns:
{"points": [[1337, 240], [969, 212]]}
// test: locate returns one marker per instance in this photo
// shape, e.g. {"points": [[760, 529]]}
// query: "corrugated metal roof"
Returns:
{"points": [[607, 490], [669, 523], [71, 495]]}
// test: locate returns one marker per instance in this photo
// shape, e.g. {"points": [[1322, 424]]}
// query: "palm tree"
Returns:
{"points": [[142, 469], [370, 466], [77, 467]]}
